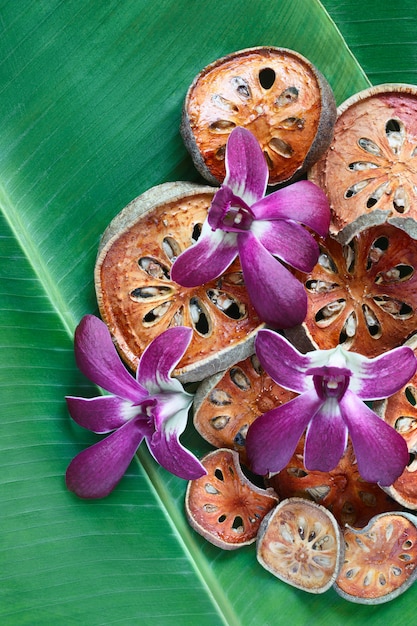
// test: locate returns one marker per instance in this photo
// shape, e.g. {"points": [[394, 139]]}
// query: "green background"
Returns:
{"points": [[90, 102]]}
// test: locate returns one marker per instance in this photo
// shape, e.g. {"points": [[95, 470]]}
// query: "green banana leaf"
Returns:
{"points": [[90, 102]]}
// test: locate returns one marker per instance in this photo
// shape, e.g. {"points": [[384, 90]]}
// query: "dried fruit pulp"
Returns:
{"points": [[372, 160], [363, 295], [227, 404], [342, 491], [300, 543], [380, 560], [138, 300], [400, 411], [224, 506], [276, 94]]}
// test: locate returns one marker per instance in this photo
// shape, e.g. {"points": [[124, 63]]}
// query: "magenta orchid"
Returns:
{"points": [[333, 385], [154, 407], [242, 220]]}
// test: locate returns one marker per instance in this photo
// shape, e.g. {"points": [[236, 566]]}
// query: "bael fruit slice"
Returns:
{"points": [[362, 293], [342, 491], [138, 300], [400, 411], [275, 93], [372, 160], [226, 404], [300, 543], [224, 506], [380, 560]]}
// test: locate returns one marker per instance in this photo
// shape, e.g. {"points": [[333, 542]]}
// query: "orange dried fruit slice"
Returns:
{"points": [[300, 543], [362, 294], [224, 506], [342, 491], [275, 93], [400, 412], [380, 560], [372, 160], [226, 404], [138, 300]]}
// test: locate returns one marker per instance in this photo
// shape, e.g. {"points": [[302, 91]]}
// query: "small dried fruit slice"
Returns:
{"points": [[300, 543], [275, 93], [372, 160], [380, 560], [224, 506], [363, 293], [227, 403], [138, 300], [342, 491], [400, 411]]}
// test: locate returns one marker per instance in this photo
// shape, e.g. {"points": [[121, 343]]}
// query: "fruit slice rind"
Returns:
{"points": [[301, 543], [369, 544], [138, 300], [207, 500], [195, 118]]}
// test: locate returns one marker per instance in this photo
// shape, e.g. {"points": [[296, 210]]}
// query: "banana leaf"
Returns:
{"points": [[90, 100]]}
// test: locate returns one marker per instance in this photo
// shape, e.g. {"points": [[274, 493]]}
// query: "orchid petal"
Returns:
{"points": [[101, 415], [277, 296], [282, 361], [205, 260], [97, 358], [302, 202], [246, 168], [273, 437], [289, 241], [380, 377], [167, 450], [381, 452], [95, 472], [326, 438], [160, 357]]}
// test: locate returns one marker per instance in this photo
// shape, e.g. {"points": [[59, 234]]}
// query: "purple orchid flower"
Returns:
{"points": [[333, 385], [153, 407], [242, 220]]}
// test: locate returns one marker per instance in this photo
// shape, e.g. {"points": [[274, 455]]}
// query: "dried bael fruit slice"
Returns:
{"points": [[372, 160], [138, 300], [400, 411], [300, 543], [380, 560], [342, 491], [226, 404], [363, 293], [224, 506], [275, 93]]}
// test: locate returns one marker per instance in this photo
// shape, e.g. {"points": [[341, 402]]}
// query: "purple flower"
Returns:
{"points": [[333, 385], [242, 220], [153, 407]]}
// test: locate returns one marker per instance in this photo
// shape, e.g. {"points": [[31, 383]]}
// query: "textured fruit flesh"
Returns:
{"points": [[224, 506], [380, 558], [363, 295], [244, 392], [301, 545], [342, 491], [400, 411], [274, 94], [372, 160], [138, 300]]}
